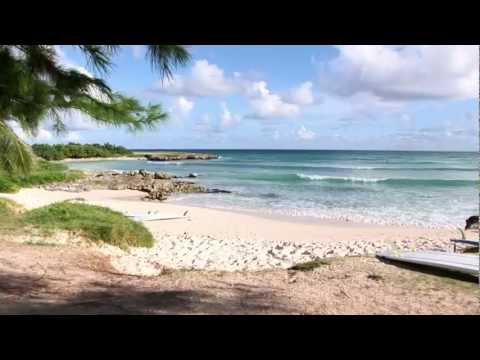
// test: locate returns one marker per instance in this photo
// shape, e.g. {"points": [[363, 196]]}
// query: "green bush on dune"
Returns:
{"points": [[8, 208], [44, 172], [10, 214], [95, 222], [7, 185]]}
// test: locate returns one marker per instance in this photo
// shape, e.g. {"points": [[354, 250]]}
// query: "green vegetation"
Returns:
{"points": [[44, 172], [9, 207], [78, 151], [7, 185], [309, 265], [36, 86], [10, 213], [96, 223]]}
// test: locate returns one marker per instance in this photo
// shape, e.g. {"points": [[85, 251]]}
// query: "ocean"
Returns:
{"points": [[435, 189]]}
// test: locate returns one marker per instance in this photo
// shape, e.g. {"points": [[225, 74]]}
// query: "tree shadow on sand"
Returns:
{"points": [[23, 294]]}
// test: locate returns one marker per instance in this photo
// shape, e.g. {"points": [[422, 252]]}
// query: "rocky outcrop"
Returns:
{"points": [[157, 185], [217, 191], [176, 156]]}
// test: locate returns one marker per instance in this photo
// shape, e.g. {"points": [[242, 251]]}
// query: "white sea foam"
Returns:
{"points": [[166, 162], [355, 167], [339, 178]]}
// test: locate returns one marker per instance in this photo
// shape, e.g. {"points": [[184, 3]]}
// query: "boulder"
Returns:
{"points": [[162, 176]]}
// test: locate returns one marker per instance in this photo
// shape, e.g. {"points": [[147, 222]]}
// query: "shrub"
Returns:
{"points": [[78, 151], [44, 172], [95, 222], [9, 216], [7, 186], [7, 207]]}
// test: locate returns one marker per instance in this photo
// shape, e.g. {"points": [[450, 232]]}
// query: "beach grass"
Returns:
{"points": [[9, 207], [10, 213], [44, 172], [7, 185], [310, 265], [96, 223]]}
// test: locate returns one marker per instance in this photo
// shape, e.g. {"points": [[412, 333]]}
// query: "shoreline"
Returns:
{"points": [[213, 239], [307, 220]]}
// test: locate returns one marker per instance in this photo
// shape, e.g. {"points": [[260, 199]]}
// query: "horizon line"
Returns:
{"points": [[273, 149]]}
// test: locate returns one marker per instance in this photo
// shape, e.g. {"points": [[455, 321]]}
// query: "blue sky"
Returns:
{"points": [[298, 97]]}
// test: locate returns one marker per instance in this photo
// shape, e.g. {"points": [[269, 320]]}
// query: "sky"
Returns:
{"points": [[358, 97]]}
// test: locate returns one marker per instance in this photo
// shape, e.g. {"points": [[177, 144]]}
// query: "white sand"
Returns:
{"points": [[224, 240]]}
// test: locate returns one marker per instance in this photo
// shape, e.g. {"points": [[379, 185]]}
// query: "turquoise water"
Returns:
{"points": [[423, 188]]}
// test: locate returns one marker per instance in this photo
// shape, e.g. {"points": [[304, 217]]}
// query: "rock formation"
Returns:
{"points": [[157, 185], [176, 156]]}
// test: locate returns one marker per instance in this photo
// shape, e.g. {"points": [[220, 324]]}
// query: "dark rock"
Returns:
{"points": [[218, 191], [162, 176], [157, 185], [192, 175], [471, 222], [145, 173]]}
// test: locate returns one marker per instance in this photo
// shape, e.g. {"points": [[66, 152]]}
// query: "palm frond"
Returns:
{"points": [[120, 111], [98, 57], [40, 60], [34, 86], [165, 58], [15, 155]]}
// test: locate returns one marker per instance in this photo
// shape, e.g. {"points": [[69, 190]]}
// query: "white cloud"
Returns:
{"points": [[404, 72], [44, 135], [305, 134], [371, 105], [184, 106], [302, 94], [204, 80], [227, 118], [266, 104], [75, 120], [67, 63], [207, 79]]}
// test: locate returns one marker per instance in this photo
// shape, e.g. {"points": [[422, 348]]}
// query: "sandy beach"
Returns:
{"points": [[210, 239]]}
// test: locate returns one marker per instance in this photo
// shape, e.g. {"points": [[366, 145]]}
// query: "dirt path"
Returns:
{"points": [[37, 279]]}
